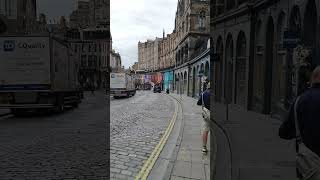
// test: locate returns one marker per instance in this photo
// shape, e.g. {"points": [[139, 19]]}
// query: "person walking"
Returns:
{"points": [[204, 101], [303, 121]]}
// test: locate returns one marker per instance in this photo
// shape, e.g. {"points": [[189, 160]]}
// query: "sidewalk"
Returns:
{"points": [[188, 162], [257, 150]]}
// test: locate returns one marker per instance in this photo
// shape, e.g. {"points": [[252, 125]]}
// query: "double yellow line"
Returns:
{"points": [[148, 165]]}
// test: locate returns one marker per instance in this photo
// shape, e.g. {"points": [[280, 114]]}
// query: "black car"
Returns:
{"points": [[157, 89]]}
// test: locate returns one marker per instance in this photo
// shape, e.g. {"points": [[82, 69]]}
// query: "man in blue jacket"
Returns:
{"points": [[206, 103], [308, 115]]}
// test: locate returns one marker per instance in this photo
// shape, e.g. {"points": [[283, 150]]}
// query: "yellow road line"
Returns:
{"points": [[148, 165]]}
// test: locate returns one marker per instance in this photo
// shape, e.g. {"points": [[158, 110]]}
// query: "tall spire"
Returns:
{"points": [[163, 33]]}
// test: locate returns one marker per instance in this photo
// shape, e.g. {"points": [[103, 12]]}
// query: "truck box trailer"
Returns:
{"points": [[122, 85], [37, 72]]}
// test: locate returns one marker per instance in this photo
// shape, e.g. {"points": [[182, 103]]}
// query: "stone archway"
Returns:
{"points": [[219, 70], [269, 63], [241, 69], [207, 70], [229, 69], [310, 25]]}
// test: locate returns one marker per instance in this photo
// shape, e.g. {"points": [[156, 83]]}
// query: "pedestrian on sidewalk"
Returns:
{"points": [[306, 112], [204, 101]]}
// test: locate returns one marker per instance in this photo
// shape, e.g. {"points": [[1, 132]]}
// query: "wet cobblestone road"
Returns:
{"points": [[137, 125]]}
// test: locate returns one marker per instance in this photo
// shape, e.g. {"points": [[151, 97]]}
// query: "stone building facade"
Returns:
{"points": [[18, 16], [256, 71], [167, 51], [79, 18], [192, 27], [92, 48], [99, 13], [134, 67], [183, 56], [115, 61], [91, 13], [148, 55]]}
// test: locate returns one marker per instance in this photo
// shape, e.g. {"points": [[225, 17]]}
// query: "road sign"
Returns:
{"points": [[291, 39]]}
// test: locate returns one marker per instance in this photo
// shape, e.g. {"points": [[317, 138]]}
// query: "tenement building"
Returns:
{"points": [[92, 48], [18, 16], [167, 52], [167, 60], [265, 51], [192, 27], [79, 18], [148, 55], [115, 61]]}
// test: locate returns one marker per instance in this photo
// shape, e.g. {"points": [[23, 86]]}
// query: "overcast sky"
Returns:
{"points": [[131, 21], [137, 20]]}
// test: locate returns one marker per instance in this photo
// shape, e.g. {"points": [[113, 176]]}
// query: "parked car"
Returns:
{"points": [[157, 89]]}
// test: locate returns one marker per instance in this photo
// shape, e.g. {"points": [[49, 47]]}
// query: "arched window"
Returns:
{"points": [[280, 70], [229, 69], [182, 83], [269, 59], [241, 67], [207, 70], [202, 19], [218, 71], [258, 71], [189, 81], [220, 7], [187, 52], [183, 27]]}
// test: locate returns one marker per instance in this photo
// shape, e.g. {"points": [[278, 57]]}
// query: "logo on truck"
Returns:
{"points": [[9, 45]]}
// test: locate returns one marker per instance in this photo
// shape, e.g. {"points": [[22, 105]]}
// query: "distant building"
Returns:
{"points": [[148, 55], [92, 48], [134, 66], [18, 16], [79, 18], [115, 61], [192, 27], [99, 13], [167, 51]]}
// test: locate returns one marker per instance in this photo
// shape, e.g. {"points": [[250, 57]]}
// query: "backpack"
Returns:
{"points": [[205, 111], [308, 162]]}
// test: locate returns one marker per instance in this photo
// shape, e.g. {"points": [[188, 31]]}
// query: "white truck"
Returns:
{"points": [[37, 72], [122, 85]]}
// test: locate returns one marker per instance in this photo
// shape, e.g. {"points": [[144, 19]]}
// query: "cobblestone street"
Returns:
{"points": [[137, 125], [71, 145]]}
